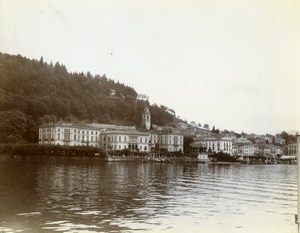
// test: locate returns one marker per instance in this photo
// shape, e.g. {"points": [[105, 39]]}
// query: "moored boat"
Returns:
{"points": [[117, 158], [203, 158]]}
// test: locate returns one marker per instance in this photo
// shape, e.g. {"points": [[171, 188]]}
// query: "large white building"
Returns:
{"points": [[110, 137], [215, 144], [69, 134], [171, 141], [244, 149], [291, 149], [119, 140]]}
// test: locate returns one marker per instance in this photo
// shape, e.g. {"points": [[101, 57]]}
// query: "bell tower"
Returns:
{"points": [[146, 119]]}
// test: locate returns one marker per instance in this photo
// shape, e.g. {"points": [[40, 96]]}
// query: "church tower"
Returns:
{"points": [[146, 119]]}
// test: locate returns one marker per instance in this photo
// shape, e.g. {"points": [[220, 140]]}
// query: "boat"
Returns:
{"points": [[203, 158], [117, 158]]}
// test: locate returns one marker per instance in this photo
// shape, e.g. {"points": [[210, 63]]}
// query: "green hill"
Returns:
{"points": [[33, 92]]}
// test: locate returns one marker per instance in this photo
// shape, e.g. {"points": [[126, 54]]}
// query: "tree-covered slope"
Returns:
{"points": [[32, 92]]}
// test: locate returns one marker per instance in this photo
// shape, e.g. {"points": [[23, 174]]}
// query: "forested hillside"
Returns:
{"points": [[32, 92]]}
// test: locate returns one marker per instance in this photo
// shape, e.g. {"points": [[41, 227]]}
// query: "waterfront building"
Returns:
{"points": [[216, 144], [153, 141], [119, 140], [235, 148], [69, 134], [244, 149], [198, 146], [75, 134], [110, 137], [171, 141], [256, 149], [291, 149], [270, 150]]}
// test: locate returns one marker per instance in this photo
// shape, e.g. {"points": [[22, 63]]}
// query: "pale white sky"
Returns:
{"points": [[234, 64]]}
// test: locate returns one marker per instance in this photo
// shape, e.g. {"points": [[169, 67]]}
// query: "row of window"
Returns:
{"points": [[68, 138], [122, 139], [78, 131], [133, 147], [66, 130], [95, 138]]}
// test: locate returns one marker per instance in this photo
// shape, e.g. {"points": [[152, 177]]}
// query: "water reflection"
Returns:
{"points": [[75, 195]]}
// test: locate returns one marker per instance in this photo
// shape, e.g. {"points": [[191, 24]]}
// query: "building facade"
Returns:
{"points": [[217, 145], [69, 134], [109, 137], [171, 141], [119, 140], [291, 149]]}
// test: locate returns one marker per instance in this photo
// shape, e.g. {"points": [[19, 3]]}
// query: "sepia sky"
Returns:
{"points": [[234, 64]]}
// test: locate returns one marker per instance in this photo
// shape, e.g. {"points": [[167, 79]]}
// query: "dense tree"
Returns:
{"points": [[288, 138], [188, 140], [33, 92]]}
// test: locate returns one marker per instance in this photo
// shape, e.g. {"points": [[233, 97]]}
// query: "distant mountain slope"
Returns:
{"points": [[32, 92]]}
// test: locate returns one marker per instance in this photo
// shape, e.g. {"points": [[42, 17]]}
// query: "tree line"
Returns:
{"points": [[33, 92]]}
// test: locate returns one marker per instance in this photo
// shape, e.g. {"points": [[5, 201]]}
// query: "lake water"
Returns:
{"points": [[50, 194]]}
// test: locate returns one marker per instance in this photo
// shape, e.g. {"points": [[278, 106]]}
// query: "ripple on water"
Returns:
{"points": [[67, 226], [29, 214]]}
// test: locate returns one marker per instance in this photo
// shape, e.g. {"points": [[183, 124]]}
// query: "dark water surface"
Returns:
{"points": [[44, 194]]}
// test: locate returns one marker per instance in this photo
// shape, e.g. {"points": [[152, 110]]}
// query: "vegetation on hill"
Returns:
{"points": [[33, 92]]}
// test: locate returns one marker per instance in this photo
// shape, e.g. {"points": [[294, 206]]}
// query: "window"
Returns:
{"points": [[92, 138], [74, 137]]}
